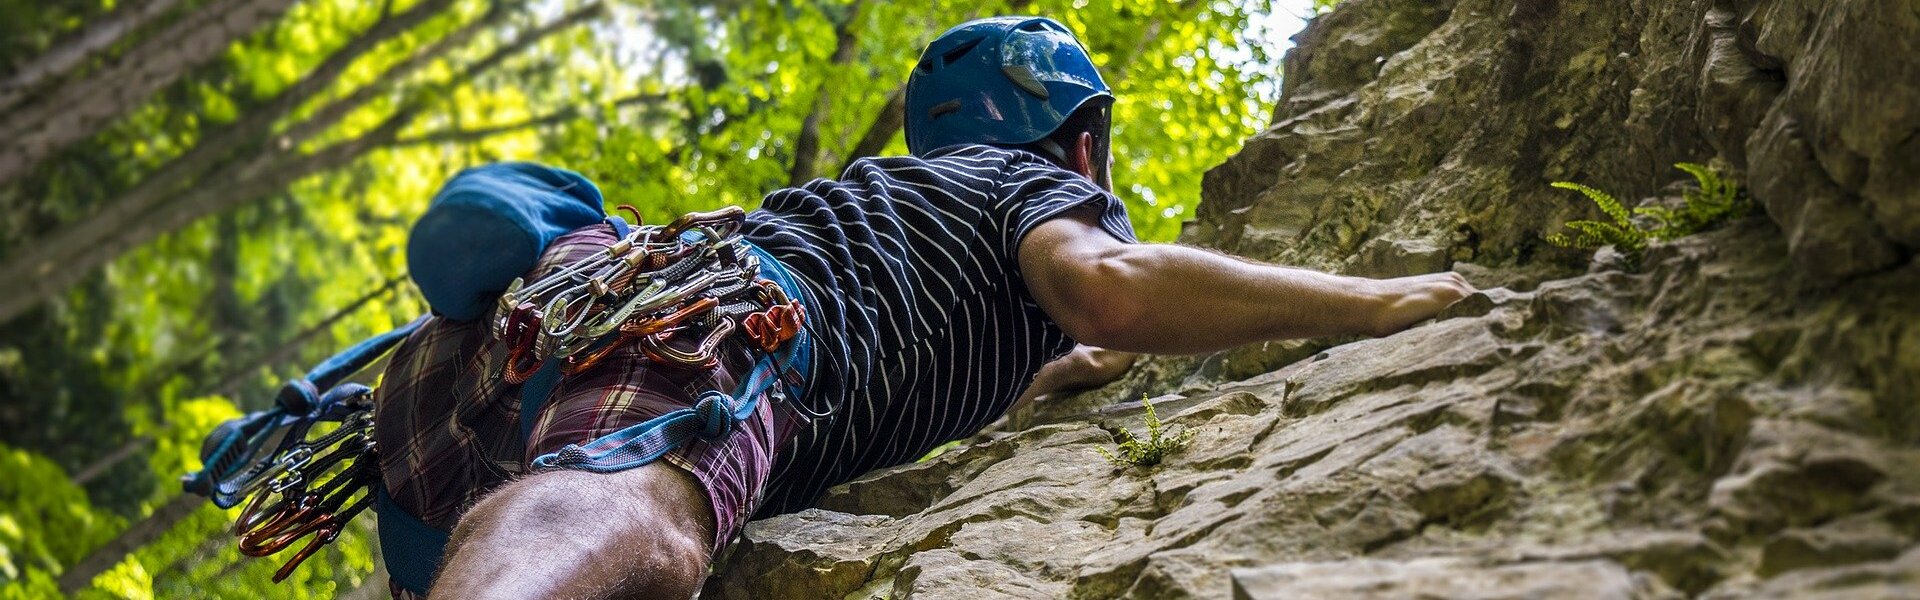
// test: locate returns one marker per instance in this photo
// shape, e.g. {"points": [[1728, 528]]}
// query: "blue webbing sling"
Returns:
{"points": [[235, 455], [413, 549]]}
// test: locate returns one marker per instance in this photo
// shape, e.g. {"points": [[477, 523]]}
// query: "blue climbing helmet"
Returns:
{"points": [[1000, 80]]}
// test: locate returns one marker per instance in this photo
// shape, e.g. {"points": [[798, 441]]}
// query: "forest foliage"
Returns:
{"points": [[199, 198]]}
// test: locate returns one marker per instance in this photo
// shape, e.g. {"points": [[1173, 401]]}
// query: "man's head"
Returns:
{"points": [[1011, 81]]}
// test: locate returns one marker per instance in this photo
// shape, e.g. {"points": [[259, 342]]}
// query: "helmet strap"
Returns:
{"points": [[1053, 148]]}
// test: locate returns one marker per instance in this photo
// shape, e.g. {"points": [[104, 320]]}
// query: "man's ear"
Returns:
{"points": [[1082, 161], [1084, 165]]}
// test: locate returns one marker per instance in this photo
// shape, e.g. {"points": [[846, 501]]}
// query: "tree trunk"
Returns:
{"points": [[55, 262], [140, 534], [892, 116], [331, 114], [373, 588], [269, 172], [208, 549], [806, 149], [119, 455], [280, 355], [67, 55], [288, 350], [82, 108], [37, 259], [463, 136]]}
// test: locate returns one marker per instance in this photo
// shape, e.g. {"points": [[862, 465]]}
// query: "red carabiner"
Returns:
{"points": [[523, 329], [323, 535]]}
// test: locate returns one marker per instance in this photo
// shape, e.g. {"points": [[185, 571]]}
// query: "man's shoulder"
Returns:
{"points": [[972, 158]]}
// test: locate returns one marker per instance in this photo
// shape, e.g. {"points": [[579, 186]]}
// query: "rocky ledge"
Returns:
{"points": [[1735, 415]]}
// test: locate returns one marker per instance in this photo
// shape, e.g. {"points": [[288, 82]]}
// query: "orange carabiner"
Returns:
{"points": [[523, 329], [771, 328], [323, 535]]}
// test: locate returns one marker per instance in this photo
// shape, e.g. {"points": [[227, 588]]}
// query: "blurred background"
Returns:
{"points": [[201, 198]]}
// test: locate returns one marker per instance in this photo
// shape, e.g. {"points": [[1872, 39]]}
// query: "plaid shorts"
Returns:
{"points": [[448, 427]]}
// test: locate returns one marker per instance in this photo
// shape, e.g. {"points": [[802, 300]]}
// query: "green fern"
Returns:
{"points": [[1622, 234], [1147, 452], [1710, 202]]}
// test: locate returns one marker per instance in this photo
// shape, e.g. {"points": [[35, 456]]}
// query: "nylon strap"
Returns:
{"points": [[534, 393], [713, 417], [411, 548]]}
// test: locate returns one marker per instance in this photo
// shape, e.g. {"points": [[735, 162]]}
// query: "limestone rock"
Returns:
{"points": [[1439, 578], [1734, 416]]}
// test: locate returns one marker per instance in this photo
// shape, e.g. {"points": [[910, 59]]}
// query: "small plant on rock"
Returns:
{"points": [[1622, 234], [1138, 452], [1711, 201]]}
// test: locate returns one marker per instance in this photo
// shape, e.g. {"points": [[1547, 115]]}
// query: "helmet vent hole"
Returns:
{"points": [[944, 108], [950, 56]]}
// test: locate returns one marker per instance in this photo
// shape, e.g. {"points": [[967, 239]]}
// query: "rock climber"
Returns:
{"points": [[937, 287]]}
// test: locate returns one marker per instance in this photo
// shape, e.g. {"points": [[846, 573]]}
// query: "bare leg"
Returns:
{"points": [[570, 534]]}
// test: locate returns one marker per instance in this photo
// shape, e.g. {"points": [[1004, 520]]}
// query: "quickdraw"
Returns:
{"points": [[690, 279], [322, 484], [297, 479], [310, 484]]}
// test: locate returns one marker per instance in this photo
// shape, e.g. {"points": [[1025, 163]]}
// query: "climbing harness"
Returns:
{"points": [[656, 289], [694, 278], [655, 285]]}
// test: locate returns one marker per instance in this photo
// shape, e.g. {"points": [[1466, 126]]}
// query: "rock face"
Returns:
{"points": [[1739, 416]]}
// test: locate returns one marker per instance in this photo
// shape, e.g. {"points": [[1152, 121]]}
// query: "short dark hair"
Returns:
{"points": [[1093, 117]]}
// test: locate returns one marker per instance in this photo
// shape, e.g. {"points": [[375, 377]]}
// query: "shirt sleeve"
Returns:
{"points": [[1035, 191]]}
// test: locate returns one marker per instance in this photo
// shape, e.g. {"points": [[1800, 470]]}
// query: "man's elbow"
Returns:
{"points": [[1110, 306], [1102, 326]]}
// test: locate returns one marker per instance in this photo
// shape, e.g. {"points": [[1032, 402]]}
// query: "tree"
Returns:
{"points": [[37, 128], [206, 234]]}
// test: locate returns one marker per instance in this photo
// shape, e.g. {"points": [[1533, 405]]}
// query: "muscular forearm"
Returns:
{"points": [[1164, 299], [1182, 300]]}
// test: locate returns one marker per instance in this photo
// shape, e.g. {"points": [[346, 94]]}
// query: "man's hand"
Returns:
{"points": [[1082, 368], [1414, 299]]}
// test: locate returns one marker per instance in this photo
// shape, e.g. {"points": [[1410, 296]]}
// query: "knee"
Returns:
{"points": [[630, 534]]}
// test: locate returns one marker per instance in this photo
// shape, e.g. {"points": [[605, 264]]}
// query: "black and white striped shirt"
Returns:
{"points": [[924, 329]]}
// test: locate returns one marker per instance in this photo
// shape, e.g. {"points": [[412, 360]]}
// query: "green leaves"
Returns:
{"points": [[1621, 233], [673, 106], [45, 521], [1709, 202], [1136, 451], [724, 133]]}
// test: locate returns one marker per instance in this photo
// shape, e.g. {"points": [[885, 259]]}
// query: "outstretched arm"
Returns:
{"points": [[1170, 299]]}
